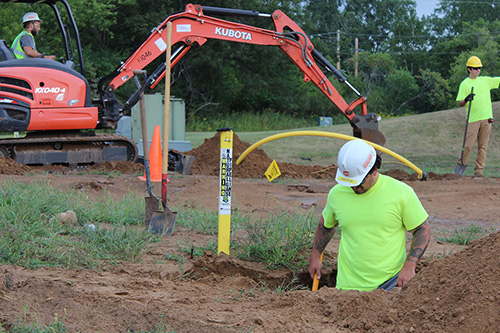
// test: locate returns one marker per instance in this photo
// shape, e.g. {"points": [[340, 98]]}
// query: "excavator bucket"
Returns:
{"points": [[373, 135], [366, 128]]}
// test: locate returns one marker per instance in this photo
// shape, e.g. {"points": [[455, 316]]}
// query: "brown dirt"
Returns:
{"points": [[455, 289], [253, 166]]}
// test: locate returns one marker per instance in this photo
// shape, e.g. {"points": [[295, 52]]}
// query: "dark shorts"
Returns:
{"points": [[389, 284]]}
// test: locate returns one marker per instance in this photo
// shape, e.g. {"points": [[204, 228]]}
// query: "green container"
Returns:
{"points": [[154, 117]]}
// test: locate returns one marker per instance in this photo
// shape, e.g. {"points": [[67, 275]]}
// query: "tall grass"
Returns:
{"points": [[282, 239], [30, 236], [268, 120], [463, 236]]}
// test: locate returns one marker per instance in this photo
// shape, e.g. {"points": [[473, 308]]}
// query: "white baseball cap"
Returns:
{"points": [[31, 16], [355, 160]]}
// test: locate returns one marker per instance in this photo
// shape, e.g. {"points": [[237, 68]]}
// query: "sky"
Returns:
{"points": [[426, 7]]}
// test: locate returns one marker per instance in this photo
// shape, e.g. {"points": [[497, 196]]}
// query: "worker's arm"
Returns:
{"points": [[321, 238], [419, 243], [35, 54]]}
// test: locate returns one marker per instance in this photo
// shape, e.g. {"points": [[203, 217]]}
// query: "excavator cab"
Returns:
{"points": [[71, 37]]}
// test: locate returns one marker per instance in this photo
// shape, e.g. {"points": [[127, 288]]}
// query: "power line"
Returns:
{"points": [[351, 34]]}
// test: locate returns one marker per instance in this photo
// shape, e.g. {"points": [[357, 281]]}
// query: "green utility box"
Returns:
{"points": [[325, 121], [154, 117]]}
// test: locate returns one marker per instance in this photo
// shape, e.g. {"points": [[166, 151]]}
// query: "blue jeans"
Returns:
{"points": [[389, 284]]}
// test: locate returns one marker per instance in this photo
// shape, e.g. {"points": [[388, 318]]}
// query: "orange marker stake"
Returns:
{"points": [[315, 280]]}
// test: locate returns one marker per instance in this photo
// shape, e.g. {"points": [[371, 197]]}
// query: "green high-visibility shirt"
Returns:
{"points": [[373, 230], [481, 108]]}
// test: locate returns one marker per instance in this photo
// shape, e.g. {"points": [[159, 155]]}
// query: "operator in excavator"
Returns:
{"points": [[374, 211], [24, 44]]}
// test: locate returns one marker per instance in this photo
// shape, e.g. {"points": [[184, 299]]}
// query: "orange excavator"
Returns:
{"points": [[51, 103]]}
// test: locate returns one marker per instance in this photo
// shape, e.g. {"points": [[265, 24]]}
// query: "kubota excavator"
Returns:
{"points": [[51, 102]]}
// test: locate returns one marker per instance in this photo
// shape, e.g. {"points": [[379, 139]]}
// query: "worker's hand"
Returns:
{"points": [[51, 57], [406, 274], [315, 265], [469, 98]]}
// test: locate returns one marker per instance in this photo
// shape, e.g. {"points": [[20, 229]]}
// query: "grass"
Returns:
{"points": [[281, 240], [249, 122], [31, 237], [463, 236], [432, 141]]}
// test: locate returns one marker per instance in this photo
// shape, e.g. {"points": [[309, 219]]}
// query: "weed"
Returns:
{"points": [[22, 326], [464, 236], [279, 240]]}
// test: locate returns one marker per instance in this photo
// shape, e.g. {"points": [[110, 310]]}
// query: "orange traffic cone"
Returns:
{"points": [[155, 158]]}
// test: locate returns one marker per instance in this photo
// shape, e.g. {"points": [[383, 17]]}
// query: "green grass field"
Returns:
{"points": [[432, 141]]}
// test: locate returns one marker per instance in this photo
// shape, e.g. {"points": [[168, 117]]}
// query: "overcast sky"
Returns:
{"points": [[426, 7]]}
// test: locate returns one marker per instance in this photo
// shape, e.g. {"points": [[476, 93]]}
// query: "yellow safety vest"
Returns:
{"points": [[16, 45]]}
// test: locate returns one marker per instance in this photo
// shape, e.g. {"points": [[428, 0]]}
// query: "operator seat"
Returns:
{"points": [[6, 52]]}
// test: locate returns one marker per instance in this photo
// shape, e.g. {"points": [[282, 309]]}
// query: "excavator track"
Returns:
{"points": [[69, 148]]}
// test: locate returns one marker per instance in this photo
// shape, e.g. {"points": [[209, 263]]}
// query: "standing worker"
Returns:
{"points": [[24, 44], [481, 114], [373, 212]]}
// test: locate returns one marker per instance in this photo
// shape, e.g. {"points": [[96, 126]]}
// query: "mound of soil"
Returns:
{"points": [[10, 167], [255, 164]]}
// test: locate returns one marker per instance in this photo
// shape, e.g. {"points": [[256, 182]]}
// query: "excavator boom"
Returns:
{"points": [[194, 26]]}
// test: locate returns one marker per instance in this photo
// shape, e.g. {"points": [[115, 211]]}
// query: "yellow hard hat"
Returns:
{"points": [[474, 62]]}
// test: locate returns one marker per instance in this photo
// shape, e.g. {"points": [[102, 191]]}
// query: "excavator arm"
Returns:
{"points": [[194, 26]]}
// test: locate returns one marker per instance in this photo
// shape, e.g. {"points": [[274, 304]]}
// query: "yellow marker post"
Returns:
{"points": [[273, 171], [225, 187]]}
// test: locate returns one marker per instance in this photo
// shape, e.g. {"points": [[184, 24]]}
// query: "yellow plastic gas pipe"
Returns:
{"points": [[420, 174]]}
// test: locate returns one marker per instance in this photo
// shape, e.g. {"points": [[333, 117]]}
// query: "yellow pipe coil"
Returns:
{"points": [[421, 175]]}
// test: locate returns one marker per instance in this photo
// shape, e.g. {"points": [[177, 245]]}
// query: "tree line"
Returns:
{"points": [[405, 64]]}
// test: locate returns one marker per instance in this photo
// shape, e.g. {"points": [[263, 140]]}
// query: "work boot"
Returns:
{"points": [[478, 175]]}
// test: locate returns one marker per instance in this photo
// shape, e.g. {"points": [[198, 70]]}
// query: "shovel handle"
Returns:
{"points": [[466, 127], [166, 118], [315, 280]]}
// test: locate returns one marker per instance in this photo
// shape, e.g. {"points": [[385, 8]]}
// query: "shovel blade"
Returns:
{"points": [[163, 223], [459, 169], [152, 204]]}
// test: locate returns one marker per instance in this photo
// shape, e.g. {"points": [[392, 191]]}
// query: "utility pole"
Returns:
{"points": [[338, 49], [356, 57]]}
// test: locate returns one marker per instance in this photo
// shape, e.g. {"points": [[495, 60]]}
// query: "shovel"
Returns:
{"points": [[163, 222], [152, 202], [460, 167]]}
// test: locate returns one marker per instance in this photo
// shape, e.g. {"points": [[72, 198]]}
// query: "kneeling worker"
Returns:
{"points": [[373, 212]]}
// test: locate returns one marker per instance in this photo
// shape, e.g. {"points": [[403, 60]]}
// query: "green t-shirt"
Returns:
{"points": [[481, 104], [373, 231]]}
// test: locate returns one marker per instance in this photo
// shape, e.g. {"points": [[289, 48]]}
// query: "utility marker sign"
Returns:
{"points": [[226, 173], [225, 188], [273, 171]]}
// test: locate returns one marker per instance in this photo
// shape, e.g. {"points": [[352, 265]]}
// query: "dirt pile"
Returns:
{"points": [[10, 167], [255, 164], [458, 293]]}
